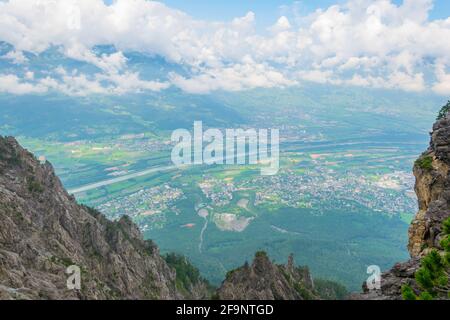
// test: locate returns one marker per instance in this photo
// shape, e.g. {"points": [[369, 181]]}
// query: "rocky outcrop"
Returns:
{"points": [[392, 282], [43, 231], [433, 191], [264, 280], [425, 233]]}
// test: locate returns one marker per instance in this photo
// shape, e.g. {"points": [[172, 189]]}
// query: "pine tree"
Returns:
{"points": [[444, 110], [433, 275]]}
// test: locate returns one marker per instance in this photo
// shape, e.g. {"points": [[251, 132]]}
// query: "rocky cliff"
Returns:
{"points": [[425, 233], [264, 280], [43, 231]]}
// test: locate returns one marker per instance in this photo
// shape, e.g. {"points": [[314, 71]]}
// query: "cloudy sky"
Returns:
{"points": [[233, 45]]}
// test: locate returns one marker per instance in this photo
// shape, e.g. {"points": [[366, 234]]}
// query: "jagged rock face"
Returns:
{"points": [[425, 233], [433, 191], [392, 282], [43, 231], [264, 280]]}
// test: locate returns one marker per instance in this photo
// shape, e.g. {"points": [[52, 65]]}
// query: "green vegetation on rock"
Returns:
{"points": [[433, 276], [187, 275], [425, 162], [330, 290], [444, 110], [34, 186]]}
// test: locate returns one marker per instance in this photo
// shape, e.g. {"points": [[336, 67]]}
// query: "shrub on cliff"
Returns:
{"points": [[444, 110], [425, 162], [433, 275], [187, 274]]}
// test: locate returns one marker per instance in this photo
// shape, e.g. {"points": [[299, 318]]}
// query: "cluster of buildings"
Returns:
{"points": [[152, 202], [326, 189], [219, 192]]}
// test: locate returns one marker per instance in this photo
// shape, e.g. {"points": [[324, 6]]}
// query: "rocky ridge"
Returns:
{"points": [[265, 280]]}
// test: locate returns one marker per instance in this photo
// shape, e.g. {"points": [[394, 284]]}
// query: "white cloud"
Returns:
{"points": [[371, 43], [29, 75], [356, 63], [74, 85], [282, 24], [233, 78], [131, 82], [407, 82], [317, 76], [111, 63], [77, 84], [10, 83], [442, 85], [17, 57]]}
